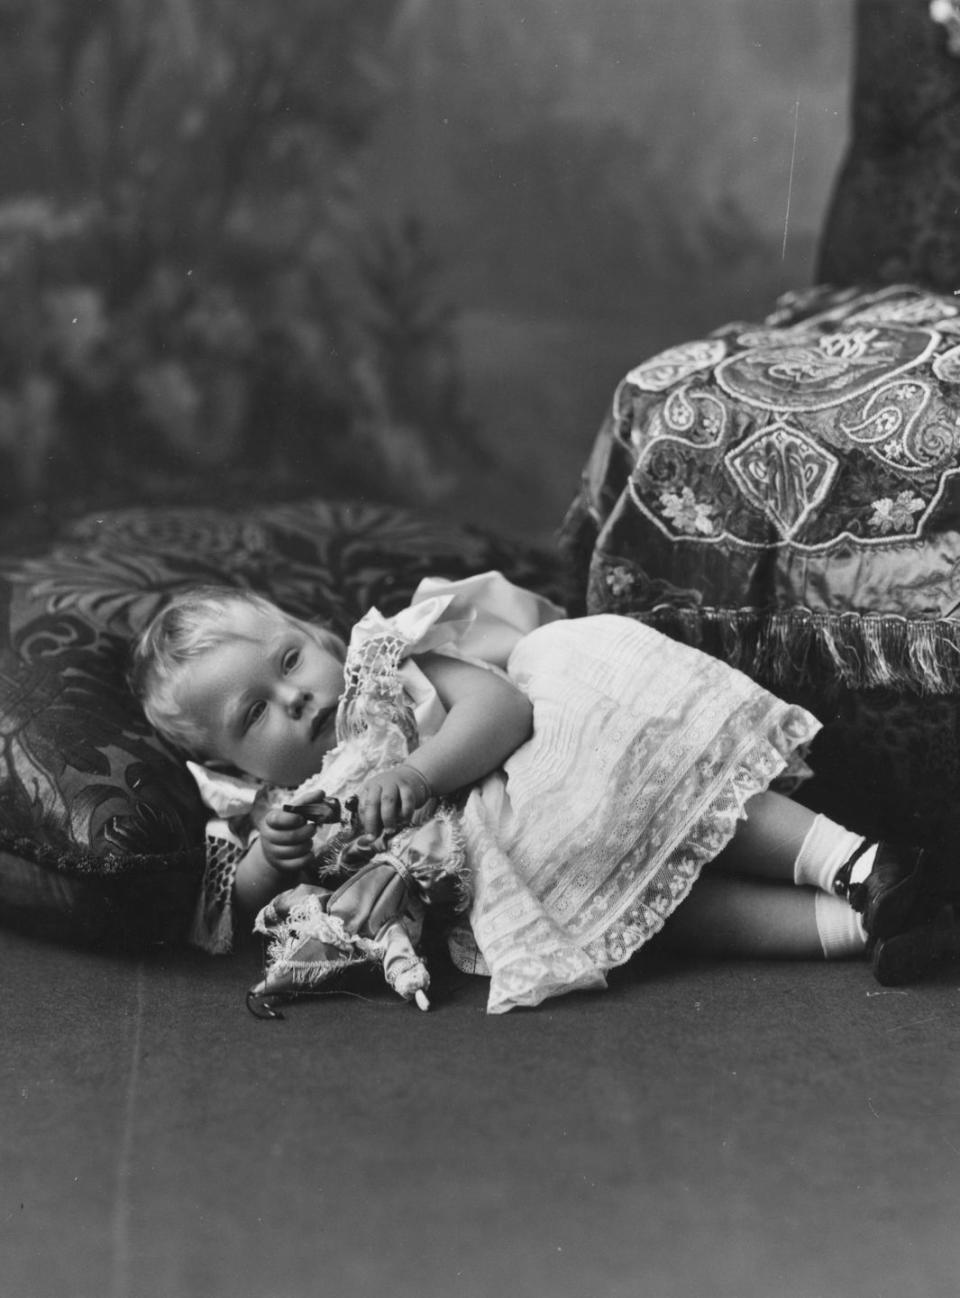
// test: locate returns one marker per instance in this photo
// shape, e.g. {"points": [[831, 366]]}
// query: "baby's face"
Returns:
{"points": [[267, 699]]}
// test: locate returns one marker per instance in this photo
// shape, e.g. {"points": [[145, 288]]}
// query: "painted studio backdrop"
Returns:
{"points": [[395, 250]]}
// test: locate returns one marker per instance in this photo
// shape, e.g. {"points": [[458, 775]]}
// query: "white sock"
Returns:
{"points": [[825, 850], [839, 928]]}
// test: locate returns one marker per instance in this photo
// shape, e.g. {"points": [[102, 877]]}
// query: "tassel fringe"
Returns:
{"points": [[212, 931], [800, 647]]}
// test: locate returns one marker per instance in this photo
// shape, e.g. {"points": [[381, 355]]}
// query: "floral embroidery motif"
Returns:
{"points": [[896, 515], [688, 514], [619, 580], [947, 366]]}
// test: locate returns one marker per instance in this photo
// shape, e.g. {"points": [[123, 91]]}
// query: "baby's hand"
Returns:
{"points": [[287, 841], [389, 799]]}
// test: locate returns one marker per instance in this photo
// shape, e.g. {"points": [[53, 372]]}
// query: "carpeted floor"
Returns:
{"points": [[733, 1131]]}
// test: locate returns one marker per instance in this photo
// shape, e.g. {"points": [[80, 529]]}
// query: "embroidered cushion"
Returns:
{"points": [[786, 496], [101, 827]]}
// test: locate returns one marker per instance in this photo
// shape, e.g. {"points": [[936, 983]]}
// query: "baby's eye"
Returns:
{"points": [[254, 713], [291, 660]]}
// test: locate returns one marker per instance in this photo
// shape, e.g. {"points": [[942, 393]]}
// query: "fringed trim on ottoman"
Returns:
{"points": [[800, 647]]}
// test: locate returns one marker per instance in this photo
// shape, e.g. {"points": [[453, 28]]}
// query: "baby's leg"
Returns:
{"points": [[759, 920], [769, 842], [846, 891], [890, 888]]}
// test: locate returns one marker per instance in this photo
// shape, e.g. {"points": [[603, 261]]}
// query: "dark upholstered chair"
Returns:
{"points": [[895, 214]]}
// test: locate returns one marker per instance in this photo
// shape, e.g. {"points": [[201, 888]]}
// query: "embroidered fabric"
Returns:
{"points": [[784, 495]]}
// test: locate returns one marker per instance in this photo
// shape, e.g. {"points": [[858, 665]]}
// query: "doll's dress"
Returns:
{"points": [[643, 755], [314, 932]]}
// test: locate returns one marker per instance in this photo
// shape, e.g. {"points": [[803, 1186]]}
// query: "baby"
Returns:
{"points": [[599, 767], [249, 690]]}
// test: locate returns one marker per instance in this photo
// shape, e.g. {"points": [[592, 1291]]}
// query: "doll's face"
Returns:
{"points": [[266, 699]]}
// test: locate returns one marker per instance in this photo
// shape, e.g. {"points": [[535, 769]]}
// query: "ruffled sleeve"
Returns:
{"points": [[227, 836], [486, 616], [481, 618], [478, 619]]}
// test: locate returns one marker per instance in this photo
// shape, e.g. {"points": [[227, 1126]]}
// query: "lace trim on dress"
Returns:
{"points": [[373, 697], [711, 832], [538, 959], [212, 929]]}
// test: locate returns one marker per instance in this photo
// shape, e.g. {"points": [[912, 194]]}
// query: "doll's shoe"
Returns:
{"points": [[918, 952], [896, 895]]}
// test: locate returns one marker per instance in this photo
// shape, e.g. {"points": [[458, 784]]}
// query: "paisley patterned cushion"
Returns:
{"points": [[101, 828], [787, 496]]}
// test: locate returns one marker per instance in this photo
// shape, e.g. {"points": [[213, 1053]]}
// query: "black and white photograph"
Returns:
{"points": [[480, 648]]}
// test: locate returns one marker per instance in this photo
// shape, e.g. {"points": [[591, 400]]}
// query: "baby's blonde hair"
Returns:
{"points": [[191, 624]]}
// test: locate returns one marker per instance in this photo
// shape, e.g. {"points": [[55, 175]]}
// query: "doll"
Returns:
{"points": [[366, 906]]}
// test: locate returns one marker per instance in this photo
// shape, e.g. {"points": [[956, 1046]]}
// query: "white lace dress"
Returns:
{"points": [[643, 754]]}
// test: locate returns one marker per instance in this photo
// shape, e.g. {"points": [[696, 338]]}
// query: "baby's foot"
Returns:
{"points": [[896, 894]]}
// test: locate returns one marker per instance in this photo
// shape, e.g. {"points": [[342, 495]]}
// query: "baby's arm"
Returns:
{"points": [[488, 718]]}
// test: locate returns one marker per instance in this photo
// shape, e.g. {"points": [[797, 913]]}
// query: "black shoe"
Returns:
{"points": [[918, 952], [896, 894]]}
